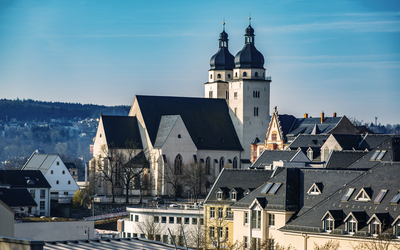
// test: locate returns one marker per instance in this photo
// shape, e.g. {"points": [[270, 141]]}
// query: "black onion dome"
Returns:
{"points": [[223, 59], [249, 56]]}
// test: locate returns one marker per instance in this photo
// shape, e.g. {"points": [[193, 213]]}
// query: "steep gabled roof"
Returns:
{"points": [[17, 197], [343, 159], [307, 141], [348, 142], [122, 131], [306, 125], [206, 119], [236, 178], [286, 122], [40, 162], [267, 157], [23, 179], [166, 124]]}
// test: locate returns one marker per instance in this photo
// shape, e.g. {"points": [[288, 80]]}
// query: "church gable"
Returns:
{"points": [[274, 138]]}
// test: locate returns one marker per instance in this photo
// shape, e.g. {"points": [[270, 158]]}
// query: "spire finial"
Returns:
{"points": [[223, 24], [249, 19]]}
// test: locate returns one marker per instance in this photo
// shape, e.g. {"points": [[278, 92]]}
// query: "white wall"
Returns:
{"points": [[55, 231]]}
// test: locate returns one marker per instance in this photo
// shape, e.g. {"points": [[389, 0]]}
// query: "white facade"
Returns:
{"points": [[42, 198], [159, 220]]}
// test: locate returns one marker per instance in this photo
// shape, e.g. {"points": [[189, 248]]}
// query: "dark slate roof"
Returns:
{"points": [[120, 130], [373, 140], [206, 119], [222, 60], [286, 122], [20, 179], [348, 142], [234, 179], [285, 199], [267, 157], [307, 141], [249, 56], [17, 197], [392, 147], [383, 176], [342, 159], [323, 176], [69, 165], [306, 125]]}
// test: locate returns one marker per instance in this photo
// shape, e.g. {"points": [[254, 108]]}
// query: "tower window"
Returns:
{"points": [[227, 95], [236, 74], [229, 76], [210, 76], [255, 111], [256, 74], [210, 94], [235, 95], [235, 111], [256, 94], [219, 76], [244, 74]]}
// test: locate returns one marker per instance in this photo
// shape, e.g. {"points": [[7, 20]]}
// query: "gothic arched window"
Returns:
{"points": [[208, 165], [178, 165], [244, 74], [221, 163], [235, 163]]}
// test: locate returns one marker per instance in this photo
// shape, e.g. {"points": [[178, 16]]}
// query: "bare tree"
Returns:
{"points": [[150, 225], [108, 167], [330, 245], [196, 177], [173, 175], [381, 242]]}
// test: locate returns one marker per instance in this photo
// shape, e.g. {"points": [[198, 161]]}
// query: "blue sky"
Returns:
{"points": [[331, 56]]}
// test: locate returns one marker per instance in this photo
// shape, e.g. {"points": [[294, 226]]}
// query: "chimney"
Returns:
{"points": [[305, 115], [334, 114], [322, 117]]}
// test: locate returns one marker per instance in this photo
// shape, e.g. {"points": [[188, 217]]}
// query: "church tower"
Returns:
{"points": [[249, 94], [221, 70]]}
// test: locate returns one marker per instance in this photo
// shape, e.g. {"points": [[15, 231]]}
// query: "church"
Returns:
{"points": [[176, 132]]}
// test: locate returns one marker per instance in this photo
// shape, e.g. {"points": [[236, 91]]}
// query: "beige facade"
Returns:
{"points": [[6, 220]]}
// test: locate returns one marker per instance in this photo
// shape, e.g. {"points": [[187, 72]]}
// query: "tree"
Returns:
{"points": [[173, 175], [196, 177], [381, 242], [330, 245], [133, 167], [150, 225], [78, 199]]}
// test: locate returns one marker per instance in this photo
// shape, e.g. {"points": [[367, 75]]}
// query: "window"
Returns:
{"points": [[187, 221], [375, 227], [210, 76], [42, 205], [378, 155], [255, 111], [380, 196], [131, 217], [208, 165], [235, 163], [314, 189], [397, 229], [362, 196], [271, 244], [256, 94], [210, 94], [236, 74], [69, 182], [235, 111], [220, 212], [229, 76], [156, 219], [178, 220], [396, 198], [42, 194], [271, 220], [178, 165], [351, 226], [227, 95], [212, 232], [219, 76], [212, 212], [143, 236], [194, 221], [328, 223], [233, 196], [63, 172], [274, 188], [220, 232], [136, 217], [171, 220], [201, 221], [245, 242], [256, 219], [229, 212], [32, 191], [65, 193], [226, 232], [51, 172], [57, 182], [163, 219], [273, 136], [348, 194], [256, 74], [246, 218], [235, 95], [219, 195], [128, 235], [310, 154], [134, 235], [221, 163], [58, 163], [158, 237], [244, 74], [266, 187], [165, 238]]}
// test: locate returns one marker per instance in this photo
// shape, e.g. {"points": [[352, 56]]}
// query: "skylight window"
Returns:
{"points": [[274, 188], [348, 194], [266, 188], [396, 198], [380, 196], [373, 157], [381, 154]]}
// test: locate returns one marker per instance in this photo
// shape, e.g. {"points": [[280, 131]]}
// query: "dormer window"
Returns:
{"points": [[375, 227], [233, 196], [328, 223], [330, 219], [377, 222], [315, 189], [246, 192], [396, 227], [363, 195], [351, 226], [219, 195], [310, 154]]}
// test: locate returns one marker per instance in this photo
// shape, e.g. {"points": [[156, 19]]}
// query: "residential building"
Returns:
{"points": [[7, 220], [19, 200], [32, 180], [63, 185]]}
